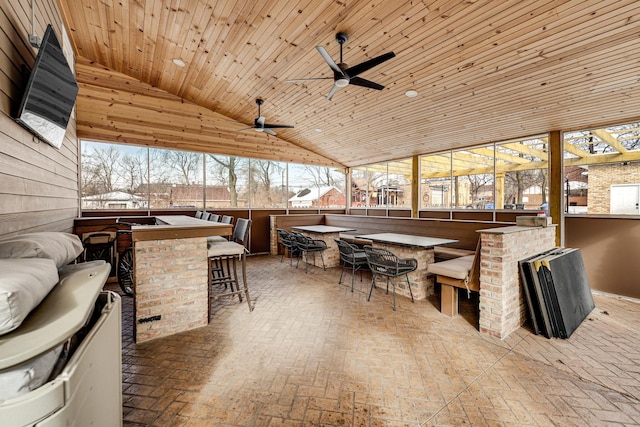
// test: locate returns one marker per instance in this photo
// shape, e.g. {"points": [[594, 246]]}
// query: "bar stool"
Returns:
{"points": [[222, 264]]}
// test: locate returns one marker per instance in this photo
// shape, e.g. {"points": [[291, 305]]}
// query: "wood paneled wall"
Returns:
{"points": [[38, 183]]}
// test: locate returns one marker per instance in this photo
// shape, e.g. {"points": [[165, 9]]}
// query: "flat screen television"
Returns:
{"points": [[50, 94]]}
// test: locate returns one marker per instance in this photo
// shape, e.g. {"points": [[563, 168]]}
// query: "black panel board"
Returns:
{"points": [[571, 291], [531, 296]]}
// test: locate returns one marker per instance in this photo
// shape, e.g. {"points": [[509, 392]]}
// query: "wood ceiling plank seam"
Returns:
{"points": [[231, 71], [214, 41], [497, 84], [192, 51], [150, 27], [496, 55], [159, 42], [134, 14], [466, 34], [121, 29], [109, 44], [172, 36]]}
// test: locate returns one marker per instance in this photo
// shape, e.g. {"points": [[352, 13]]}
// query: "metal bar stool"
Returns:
{"points": [[223, 256]]}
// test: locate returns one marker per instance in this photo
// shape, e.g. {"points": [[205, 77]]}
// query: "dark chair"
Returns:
{"points": [[384, 263], [227, 219], [306, 245], [198, 214], [351, 257], [289, 245], [205, 216], [222, 263], [214, 217]]}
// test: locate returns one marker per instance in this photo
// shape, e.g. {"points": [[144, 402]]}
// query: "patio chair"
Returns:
{"points": [[351, 257], [384, 263], [222, 264], [306, 245], [289, 245]]}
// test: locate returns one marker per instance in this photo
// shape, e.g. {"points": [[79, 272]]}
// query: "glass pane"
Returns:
{"points": [[227, 182], [113, 176], [522, 174], [602, 170], [315, 187], [399, 184], [378, 180], [473, 178], [436, 185], [359, 187], [268, 184], [176, 179]]}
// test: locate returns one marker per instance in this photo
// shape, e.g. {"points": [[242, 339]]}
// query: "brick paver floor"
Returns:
{"points": [[313, 353]]}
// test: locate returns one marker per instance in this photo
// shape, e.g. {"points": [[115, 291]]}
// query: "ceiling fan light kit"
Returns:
{"points": [[343, 75], [259, 124]]}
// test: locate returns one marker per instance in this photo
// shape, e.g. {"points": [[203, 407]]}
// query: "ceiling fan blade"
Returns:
{"points": [[329, 60], [243, 129], [269, 131], [304, 80], [367, 65], [333, 91], [359, 81], [269, 125]]}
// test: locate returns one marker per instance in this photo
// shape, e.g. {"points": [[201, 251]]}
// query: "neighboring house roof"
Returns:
{"points": [[116, 196], [310, 194]]}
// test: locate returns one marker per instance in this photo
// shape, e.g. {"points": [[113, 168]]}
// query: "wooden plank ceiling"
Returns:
{"points": [[484, 71]]}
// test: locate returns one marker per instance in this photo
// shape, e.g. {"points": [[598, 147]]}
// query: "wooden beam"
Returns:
{"points": [[609, 139]]}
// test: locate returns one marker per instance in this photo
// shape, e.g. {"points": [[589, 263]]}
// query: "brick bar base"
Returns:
{"points": [[502, 303], [171, 282]]}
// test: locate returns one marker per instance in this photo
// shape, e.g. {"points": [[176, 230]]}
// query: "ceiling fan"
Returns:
{"points": [[260, 126], [344, 75]]}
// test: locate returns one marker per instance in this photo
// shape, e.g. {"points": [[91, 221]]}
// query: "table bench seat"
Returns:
{"points": [[462, 272]]}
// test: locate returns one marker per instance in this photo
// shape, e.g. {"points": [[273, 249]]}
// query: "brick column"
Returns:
{"points": [[171, 286], [273, 235], [502, 303]]}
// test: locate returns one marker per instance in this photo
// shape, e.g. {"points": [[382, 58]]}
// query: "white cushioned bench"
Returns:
{"points": [[462, 272]]}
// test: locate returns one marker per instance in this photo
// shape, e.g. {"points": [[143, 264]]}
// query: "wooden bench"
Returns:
{"points": [[462, 272]]}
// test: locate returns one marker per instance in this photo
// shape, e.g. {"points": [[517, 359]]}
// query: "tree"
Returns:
{"points": [[188, 165], [262, 172], [229, 165], [100, 170]]}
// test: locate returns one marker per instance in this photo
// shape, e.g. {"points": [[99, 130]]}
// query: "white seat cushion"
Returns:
{"points": [[225, 249], [215, 239], [457, 268]]}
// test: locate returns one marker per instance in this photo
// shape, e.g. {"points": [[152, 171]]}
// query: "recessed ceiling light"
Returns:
{"points": [[318, 130], [411, 93], [179, 62]]}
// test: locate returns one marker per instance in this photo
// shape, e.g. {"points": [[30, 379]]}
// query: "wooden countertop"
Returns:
{"points": [[179, 227]]}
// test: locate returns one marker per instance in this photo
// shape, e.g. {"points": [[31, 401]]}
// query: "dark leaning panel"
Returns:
{"points": [[557, 291]]}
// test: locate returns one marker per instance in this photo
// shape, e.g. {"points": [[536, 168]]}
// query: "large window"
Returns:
{"points": [[382, 185], [602, 170], [116, 176], [176, 179], [315, 187], [522, 172], [436, 183], [508, 175], [268, 184], [113, 176], [473, 178]]}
